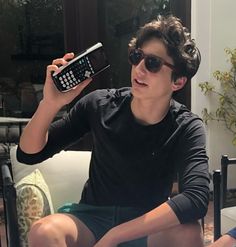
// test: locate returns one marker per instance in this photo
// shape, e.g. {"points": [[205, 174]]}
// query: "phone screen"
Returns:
{"points": [[98, 60]]}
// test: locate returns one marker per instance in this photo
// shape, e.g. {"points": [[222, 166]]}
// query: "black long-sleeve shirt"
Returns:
{"points": [[134, 164]]}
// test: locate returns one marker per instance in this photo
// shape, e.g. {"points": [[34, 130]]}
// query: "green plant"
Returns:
{"points": [[226, 96]]}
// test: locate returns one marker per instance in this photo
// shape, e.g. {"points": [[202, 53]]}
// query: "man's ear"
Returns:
{"points": [[179, 83]]}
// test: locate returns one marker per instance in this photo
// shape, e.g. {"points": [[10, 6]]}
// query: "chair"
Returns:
{"points": [[224, 213], [64, 175], [9, 200]]}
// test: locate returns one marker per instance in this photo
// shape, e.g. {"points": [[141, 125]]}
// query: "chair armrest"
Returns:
{"points": [[6, 174], [9, 199], [217, 206], [225, 162]]}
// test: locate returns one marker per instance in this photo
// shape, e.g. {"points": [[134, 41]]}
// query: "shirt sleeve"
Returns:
{"points": [[191, 203], [62, 134]]}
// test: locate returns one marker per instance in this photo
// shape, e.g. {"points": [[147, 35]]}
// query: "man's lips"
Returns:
{"points": [[140, 83]]}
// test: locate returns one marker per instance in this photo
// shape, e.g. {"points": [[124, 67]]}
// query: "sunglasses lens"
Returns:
{"points": [[135, 57], [153, 64]]}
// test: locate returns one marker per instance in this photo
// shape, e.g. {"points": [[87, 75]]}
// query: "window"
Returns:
{"points": [[118, 22], [32, 34]]}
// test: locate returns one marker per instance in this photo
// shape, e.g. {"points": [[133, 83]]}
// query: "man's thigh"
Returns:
{"points": [[141, 242], [184, 235]]}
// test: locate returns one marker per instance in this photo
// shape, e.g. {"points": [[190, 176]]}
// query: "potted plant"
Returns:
{"points": [[226, 96]]}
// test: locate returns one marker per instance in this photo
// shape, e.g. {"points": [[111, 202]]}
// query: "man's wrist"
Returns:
{"points": [[113, 237], [54, 108]]}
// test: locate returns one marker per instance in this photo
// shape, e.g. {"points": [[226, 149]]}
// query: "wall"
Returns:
{"points": [[213, 29]]}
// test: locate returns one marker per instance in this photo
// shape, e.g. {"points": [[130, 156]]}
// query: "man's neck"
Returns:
{"points": [[149, 112]]}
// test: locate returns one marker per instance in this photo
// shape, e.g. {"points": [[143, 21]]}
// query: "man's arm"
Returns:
{"points": [[156, 220], [35, 134], [188, 206]]}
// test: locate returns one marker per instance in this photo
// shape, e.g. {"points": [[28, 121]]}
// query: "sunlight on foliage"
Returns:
{"points": [[226, 110]]}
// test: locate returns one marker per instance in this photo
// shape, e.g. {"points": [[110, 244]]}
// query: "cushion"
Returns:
{"points": [[65, 174], [33, 202], [228, 219]]}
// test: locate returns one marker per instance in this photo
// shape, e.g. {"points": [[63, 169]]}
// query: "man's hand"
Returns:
{"points": [[51, 94]]}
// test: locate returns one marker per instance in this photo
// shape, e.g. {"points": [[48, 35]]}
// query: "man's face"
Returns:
{"points": [[149, 85]]}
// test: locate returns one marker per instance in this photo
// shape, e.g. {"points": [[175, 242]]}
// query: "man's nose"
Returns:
{"points": [[141, 67]]}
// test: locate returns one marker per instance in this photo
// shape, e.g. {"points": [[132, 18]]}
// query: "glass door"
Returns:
{"points": [[32, 34], [118, 22]]}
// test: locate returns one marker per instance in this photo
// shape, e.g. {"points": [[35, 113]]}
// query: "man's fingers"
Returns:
{"points": [[69, 56], [59, 61], [64, 59], [51, 68]]}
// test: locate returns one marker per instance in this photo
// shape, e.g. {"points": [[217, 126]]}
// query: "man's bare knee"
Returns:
{"points": [[60, 230], [44, 233]]}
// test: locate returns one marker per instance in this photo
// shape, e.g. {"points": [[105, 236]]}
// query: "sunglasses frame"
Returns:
{"points": [[145, 56]]}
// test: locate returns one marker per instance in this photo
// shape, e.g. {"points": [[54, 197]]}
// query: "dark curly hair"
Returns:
{"points": [[177, 40]]}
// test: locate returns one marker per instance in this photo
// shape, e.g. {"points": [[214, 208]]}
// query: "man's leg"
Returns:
{"points": [[224, 241], [60, 230], [184, 235]]}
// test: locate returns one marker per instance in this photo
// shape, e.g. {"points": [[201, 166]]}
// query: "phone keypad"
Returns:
{"points": [[75, 73]]}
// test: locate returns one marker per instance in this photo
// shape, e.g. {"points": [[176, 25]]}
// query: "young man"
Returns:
{"points": [[227, 240], [142, 138]]}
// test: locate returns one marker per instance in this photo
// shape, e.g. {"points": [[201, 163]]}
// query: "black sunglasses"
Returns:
{"points": [[152, 63]]}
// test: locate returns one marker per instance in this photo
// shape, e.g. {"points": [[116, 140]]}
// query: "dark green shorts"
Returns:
{"points": [[101, 219]]}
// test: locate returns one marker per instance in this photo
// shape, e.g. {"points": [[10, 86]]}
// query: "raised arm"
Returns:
{"points": [[34, 136]]}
